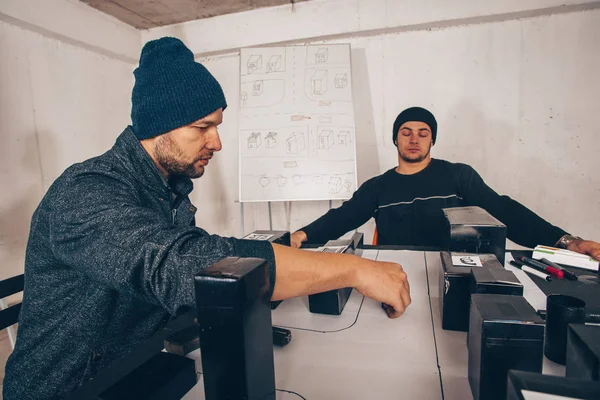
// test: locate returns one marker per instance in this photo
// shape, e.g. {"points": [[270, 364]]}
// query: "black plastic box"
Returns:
{"points": [[455, 290], [164, 377], [494, 280], [504, 333], [519, 381], [232, 299], [183, 342], [334, 301], [474, 230], [330, 303], [583, 352]]}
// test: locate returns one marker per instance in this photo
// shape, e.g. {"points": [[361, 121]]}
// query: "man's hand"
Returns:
{"points": [[297, 238], [585, 247], [387, 283]]}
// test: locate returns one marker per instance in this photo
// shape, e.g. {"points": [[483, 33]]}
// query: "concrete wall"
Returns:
{"points": [[62, 99], [513, 85]]}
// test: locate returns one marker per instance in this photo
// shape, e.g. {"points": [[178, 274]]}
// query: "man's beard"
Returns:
{"points": [[408, 159], [171, 158]]}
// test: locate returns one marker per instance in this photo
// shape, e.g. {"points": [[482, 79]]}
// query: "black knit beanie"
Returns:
{"points": [[415, 114], [171, 89]]}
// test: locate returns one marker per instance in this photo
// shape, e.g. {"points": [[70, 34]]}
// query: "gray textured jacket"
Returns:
{"points": [[110, 259]]}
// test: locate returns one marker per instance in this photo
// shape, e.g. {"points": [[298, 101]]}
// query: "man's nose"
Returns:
{"points": [[214, 142]]}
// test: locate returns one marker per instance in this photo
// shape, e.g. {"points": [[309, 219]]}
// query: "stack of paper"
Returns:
{"points": [[565, 257]]}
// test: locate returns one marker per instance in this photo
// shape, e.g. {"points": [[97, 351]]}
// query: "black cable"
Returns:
{"points": [[337, 330], [289, 391]]}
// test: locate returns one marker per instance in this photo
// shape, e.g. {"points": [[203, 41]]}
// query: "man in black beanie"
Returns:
{"points": [[114, 247], [407, 200]]}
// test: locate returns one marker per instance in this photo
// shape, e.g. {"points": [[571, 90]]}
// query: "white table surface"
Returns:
{"points": [[362, 354]]}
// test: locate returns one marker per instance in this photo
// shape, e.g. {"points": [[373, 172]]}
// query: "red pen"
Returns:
{"points": [[568, 274], [543, 267]]}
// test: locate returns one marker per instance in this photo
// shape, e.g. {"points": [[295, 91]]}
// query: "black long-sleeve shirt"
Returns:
{"points": [[408, 208]]}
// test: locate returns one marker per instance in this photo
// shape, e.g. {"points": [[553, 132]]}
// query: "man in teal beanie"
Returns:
{"points": [[114, 246]]}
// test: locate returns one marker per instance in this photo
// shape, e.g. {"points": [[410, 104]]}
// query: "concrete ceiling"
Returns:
{"points": [[145, 14]]}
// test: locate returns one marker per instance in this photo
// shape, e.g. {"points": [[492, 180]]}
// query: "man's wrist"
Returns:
{"points": [[303, 236], [566, 240], [361, 266]]}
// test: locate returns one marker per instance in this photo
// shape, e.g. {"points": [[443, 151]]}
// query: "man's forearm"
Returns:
{"points": [[325, 228], [526, 227], [523, 225], [337, 221], [301, 272]]}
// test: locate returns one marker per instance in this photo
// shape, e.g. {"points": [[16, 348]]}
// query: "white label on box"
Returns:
{"points": [[531, 395], [466, 261], [258, 236]]}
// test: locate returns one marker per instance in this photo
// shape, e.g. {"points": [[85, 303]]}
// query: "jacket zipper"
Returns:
{"points": [[176, 204]]}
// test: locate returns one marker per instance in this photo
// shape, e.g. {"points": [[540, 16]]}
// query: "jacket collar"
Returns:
{"points": [[134, 157]]}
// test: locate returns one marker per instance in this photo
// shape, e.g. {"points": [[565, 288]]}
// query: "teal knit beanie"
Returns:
{"points": [[171, 89]]}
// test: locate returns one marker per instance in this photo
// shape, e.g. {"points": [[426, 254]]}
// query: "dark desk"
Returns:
{"points": [[587, 288]]}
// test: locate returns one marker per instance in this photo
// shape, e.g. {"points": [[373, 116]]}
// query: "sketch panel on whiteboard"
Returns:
{"points": [[296, 130]]}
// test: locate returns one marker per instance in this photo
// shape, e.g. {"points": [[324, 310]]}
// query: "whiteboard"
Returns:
{"points": [[296, 128]]}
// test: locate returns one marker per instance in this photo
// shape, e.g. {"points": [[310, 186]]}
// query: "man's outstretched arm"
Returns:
{"points": [[301, 272], [523, 225], [337, 221]]}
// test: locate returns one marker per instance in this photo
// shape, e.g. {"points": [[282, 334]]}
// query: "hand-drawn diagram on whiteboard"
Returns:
{"points": [[297, 136]]}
